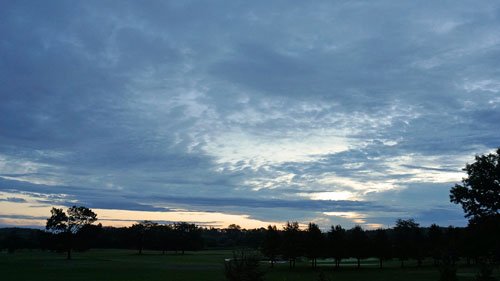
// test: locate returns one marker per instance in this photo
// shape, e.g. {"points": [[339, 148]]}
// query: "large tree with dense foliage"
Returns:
{"points": [[479, 193], [68, 224]]}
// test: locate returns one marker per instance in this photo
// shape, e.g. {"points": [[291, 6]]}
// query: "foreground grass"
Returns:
{"points": [[125, 265]]}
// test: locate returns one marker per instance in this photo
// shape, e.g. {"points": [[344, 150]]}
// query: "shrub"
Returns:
{"points": [[447, 272], [485, 274], [244, 266]]}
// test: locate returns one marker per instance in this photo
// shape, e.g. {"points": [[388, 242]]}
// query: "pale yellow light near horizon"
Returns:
{"points": [[216, 219], [31, 213]]}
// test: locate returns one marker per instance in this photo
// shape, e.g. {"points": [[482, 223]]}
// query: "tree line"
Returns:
{"points": [[176, 237], [407, 240], [478, 194]]}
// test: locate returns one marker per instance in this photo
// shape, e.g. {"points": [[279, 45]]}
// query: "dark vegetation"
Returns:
{"points": [[474, 244], [477, 244]]}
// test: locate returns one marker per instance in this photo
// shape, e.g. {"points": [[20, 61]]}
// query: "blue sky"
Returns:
{"points": [[249, 112]]}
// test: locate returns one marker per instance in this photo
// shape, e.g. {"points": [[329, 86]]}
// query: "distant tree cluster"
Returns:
{"points": [[407, 240], [73, 230], [178, 237]]}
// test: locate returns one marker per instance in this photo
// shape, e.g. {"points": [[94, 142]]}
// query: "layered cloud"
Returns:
{"points": [[329, 112]]}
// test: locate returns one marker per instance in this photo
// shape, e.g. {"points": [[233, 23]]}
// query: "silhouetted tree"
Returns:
{"points": [[487, 237], [435, 243], [452, 244], [357, 243], [315, 243], [405, 230], [337, 244], [163, 237], [418, 249], [479, 193], [187, 236], [13, 241], [67, 225], [271, 244], [234, 235], [381, 246], [253, 237], [470, 250], [141, 231], [291, 246], [86, 237]]}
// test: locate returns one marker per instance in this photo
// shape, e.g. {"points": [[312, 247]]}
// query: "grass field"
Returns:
{"points": [[125, 265]]}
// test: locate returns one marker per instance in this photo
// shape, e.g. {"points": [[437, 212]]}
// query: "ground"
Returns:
{"points": [[125, 265]]}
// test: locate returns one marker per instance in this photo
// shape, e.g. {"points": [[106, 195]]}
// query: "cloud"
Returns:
{"points": [[265, 106], [13, 199]]}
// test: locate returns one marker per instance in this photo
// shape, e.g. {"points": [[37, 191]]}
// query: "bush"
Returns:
{"points": [[447, 272], [244, 266], [485, 274]]}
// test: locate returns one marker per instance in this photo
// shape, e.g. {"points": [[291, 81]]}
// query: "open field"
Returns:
{"points": [[125, 265]]}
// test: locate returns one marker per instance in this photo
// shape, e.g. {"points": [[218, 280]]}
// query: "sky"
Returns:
{"points": [[245, 112]]}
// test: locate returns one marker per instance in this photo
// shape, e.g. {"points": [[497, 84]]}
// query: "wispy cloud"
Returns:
{"points": [[277, 106]]}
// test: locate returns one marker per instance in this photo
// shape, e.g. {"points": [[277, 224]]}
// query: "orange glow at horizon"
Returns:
{"points": [[32, 213]]}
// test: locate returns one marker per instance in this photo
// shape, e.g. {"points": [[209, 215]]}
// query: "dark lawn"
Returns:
{"points": [[126, 265]]}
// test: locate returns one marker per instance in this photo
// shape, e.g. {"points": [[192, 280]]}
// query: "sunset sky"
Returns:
{"points": [[246, 112]]}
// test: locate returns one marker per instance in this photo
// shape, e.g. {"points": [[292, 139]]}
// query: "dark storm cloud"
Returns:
{"points": [[190, 100]]}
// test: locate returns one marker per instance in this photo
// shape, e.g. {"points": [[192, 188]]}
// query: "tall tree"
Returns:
{"points": [[234, 234], [314, 243], [68, 224], [163, 236], [452, 244], [435, 243], [358, 243], [291, 246], [188, 236], [405, 230], [142, 231], [271, 244], [479, 193], [337, 242], [381, 246]]}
